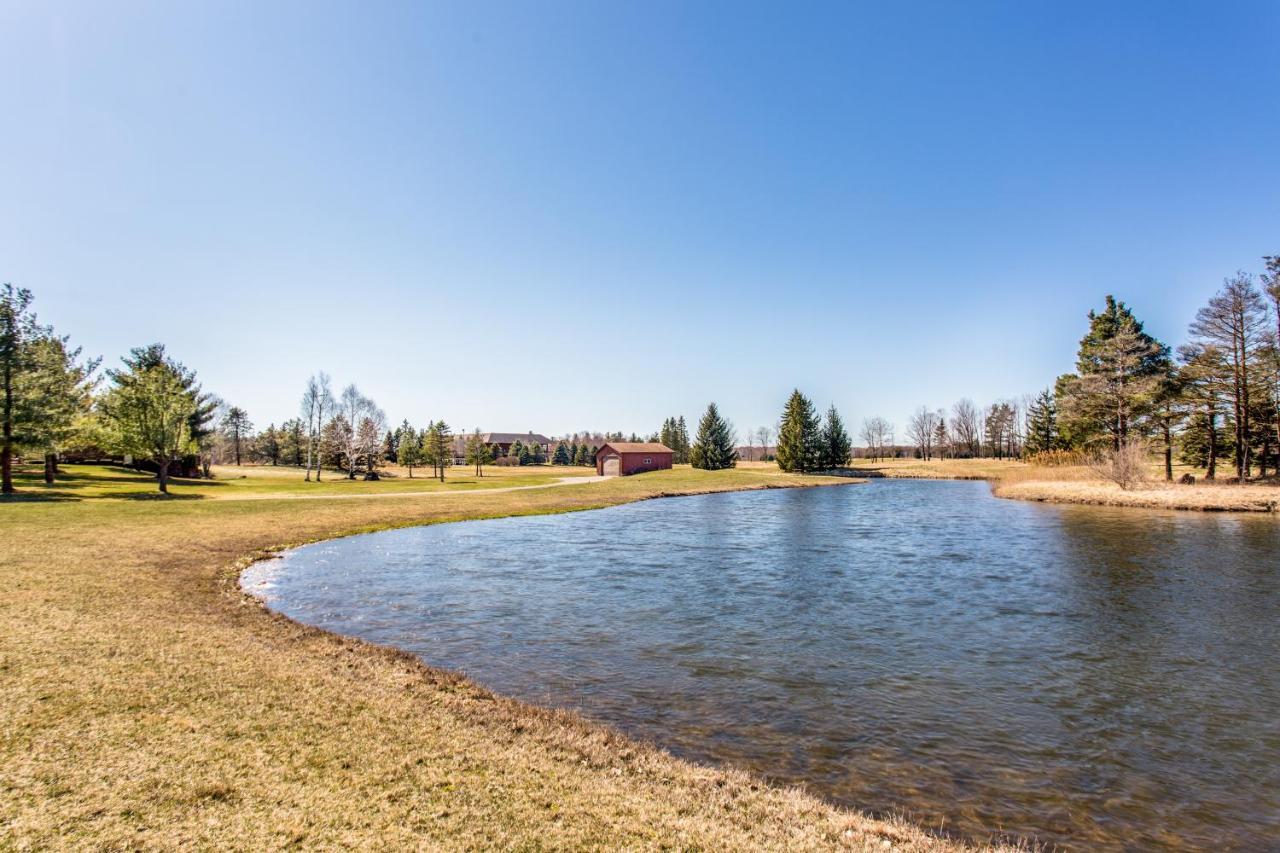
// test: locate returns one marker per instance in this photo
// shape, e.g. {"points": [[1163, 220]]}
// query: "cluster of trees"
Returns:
{"points": [[1217, 397], [433, 446], [967, 431], [807, 442], [572, 453], [675, 434]]}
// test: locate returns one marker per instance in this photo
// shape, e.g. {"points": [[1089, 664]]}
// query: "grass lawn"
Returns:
{"points": [[148, 703]]}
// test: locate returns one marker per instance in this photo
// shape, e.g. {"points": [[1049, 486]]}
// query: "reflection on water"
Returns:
{"points": [[1086, 676]]}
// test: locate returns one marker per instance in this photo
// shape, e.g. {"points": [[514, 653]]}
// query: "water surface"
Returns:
{"points": [[1093, 677]]}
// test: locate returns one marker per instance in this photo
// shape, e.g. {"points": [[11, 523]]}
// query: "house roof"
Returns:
{"points": [[638, 447], [513, 437]]}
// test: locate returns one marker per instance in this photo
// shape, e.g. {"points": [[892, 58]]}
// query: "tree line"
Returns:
{"points": [[1214, 399]]}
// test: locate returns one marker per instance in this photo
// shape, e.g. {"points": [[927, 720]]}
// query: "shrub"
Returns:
{"points": [[1126, 467]]}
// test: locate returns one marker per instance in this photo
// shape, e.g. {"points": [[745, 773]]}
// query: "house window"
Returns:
{"points": [[648, 461]]}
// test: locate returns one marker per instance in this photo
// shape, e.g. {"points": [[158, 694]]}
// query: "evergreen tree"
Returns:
{"points": [[17, 329], [682, 446], [1119, 369], [525, 455], [156, 410], [409, 448], [1042, 424], [391, 447], [53, 399], [238, 427], [268, 446], [800, 436], [437, 448], [562, 455], [836, 445], [714, 448], [580, 456], [478, 453]]}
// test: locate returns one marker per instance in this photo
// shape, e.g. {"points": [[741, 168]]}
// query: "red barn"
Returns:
{"points": [[631, 457]]}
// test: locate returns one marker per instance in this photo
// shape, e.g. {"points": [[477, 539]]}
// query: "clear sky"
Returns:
{"points": [[553, 217]]}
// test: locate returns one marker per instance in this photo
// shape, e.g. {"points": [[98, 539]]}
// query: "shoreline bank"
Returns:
{"points": [[1020, 481]]}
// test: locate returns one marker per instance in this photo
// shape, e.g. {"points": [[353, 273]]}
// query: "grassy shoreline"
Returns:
{"points": [[151, 703]]}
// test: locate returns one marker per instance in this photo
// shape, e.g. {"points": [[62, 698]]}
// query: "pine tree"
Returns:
{"points": [[1119, 369], [269, 445], [1042, 424], [437, 448], [409, 450], [156, 409], [54, 398], [562, 454], [800, 436], [237, 426], [836, 445], [682, 441], [478, 453], [714, 448], [580, 455]]}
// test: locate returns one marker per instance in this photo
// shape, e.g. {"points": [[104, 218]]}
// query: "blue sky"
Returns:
{"points": [[558, 216]]}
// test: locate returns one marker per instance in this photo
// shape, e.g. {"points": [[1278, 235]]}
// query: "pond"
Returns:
{"points": [[1090, 677]]}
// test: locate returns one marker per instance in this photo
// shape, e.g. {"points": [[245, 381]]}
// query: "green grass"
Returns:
{"points": [[82, 482]]}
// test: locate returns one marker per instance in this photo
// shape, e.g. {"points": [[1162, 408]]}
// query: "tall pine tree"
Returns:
{"points": [[1042, 424], [800, 436], [714, 448], [836, 445]]}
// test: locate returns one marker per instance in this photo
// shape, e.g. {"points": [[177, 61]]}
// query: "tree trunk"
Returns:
{"points": [[1168, 453], [163, 476], [6, 451], [1213, 445], [50, 468]]}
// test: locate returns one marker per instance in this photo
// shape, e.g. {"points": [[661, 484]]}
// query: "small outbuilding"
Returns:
{"points": [[620, 458]]}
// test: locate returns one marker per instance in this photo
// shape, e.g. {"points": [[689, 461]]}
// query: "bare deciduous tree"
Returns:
{"points": [[922, 429], [966, 427], [355, 408], [875, 433], [317, 406]]}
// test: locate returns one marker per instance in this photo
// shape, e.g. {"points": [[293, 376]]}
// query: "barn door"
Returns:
{"points": [[612, 466]]}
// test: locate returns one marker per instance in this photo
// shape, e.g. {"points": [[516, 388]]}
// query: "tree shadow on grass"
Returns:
{"points": [[23, 497], [154, 496]]}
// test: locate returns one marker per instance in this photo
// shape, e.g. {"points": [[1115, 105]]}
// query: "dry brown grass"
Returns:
{"points": [[940, 469], [149, 704], [1205, 497]]}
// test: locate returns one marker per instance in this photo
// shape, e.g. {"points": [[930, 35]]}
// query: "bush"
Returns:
{"points": [[1126, 467]]}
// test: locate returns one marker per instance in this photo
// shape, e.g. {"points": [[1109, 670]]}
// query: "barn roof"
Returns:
{"points": [[638, 447]]}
